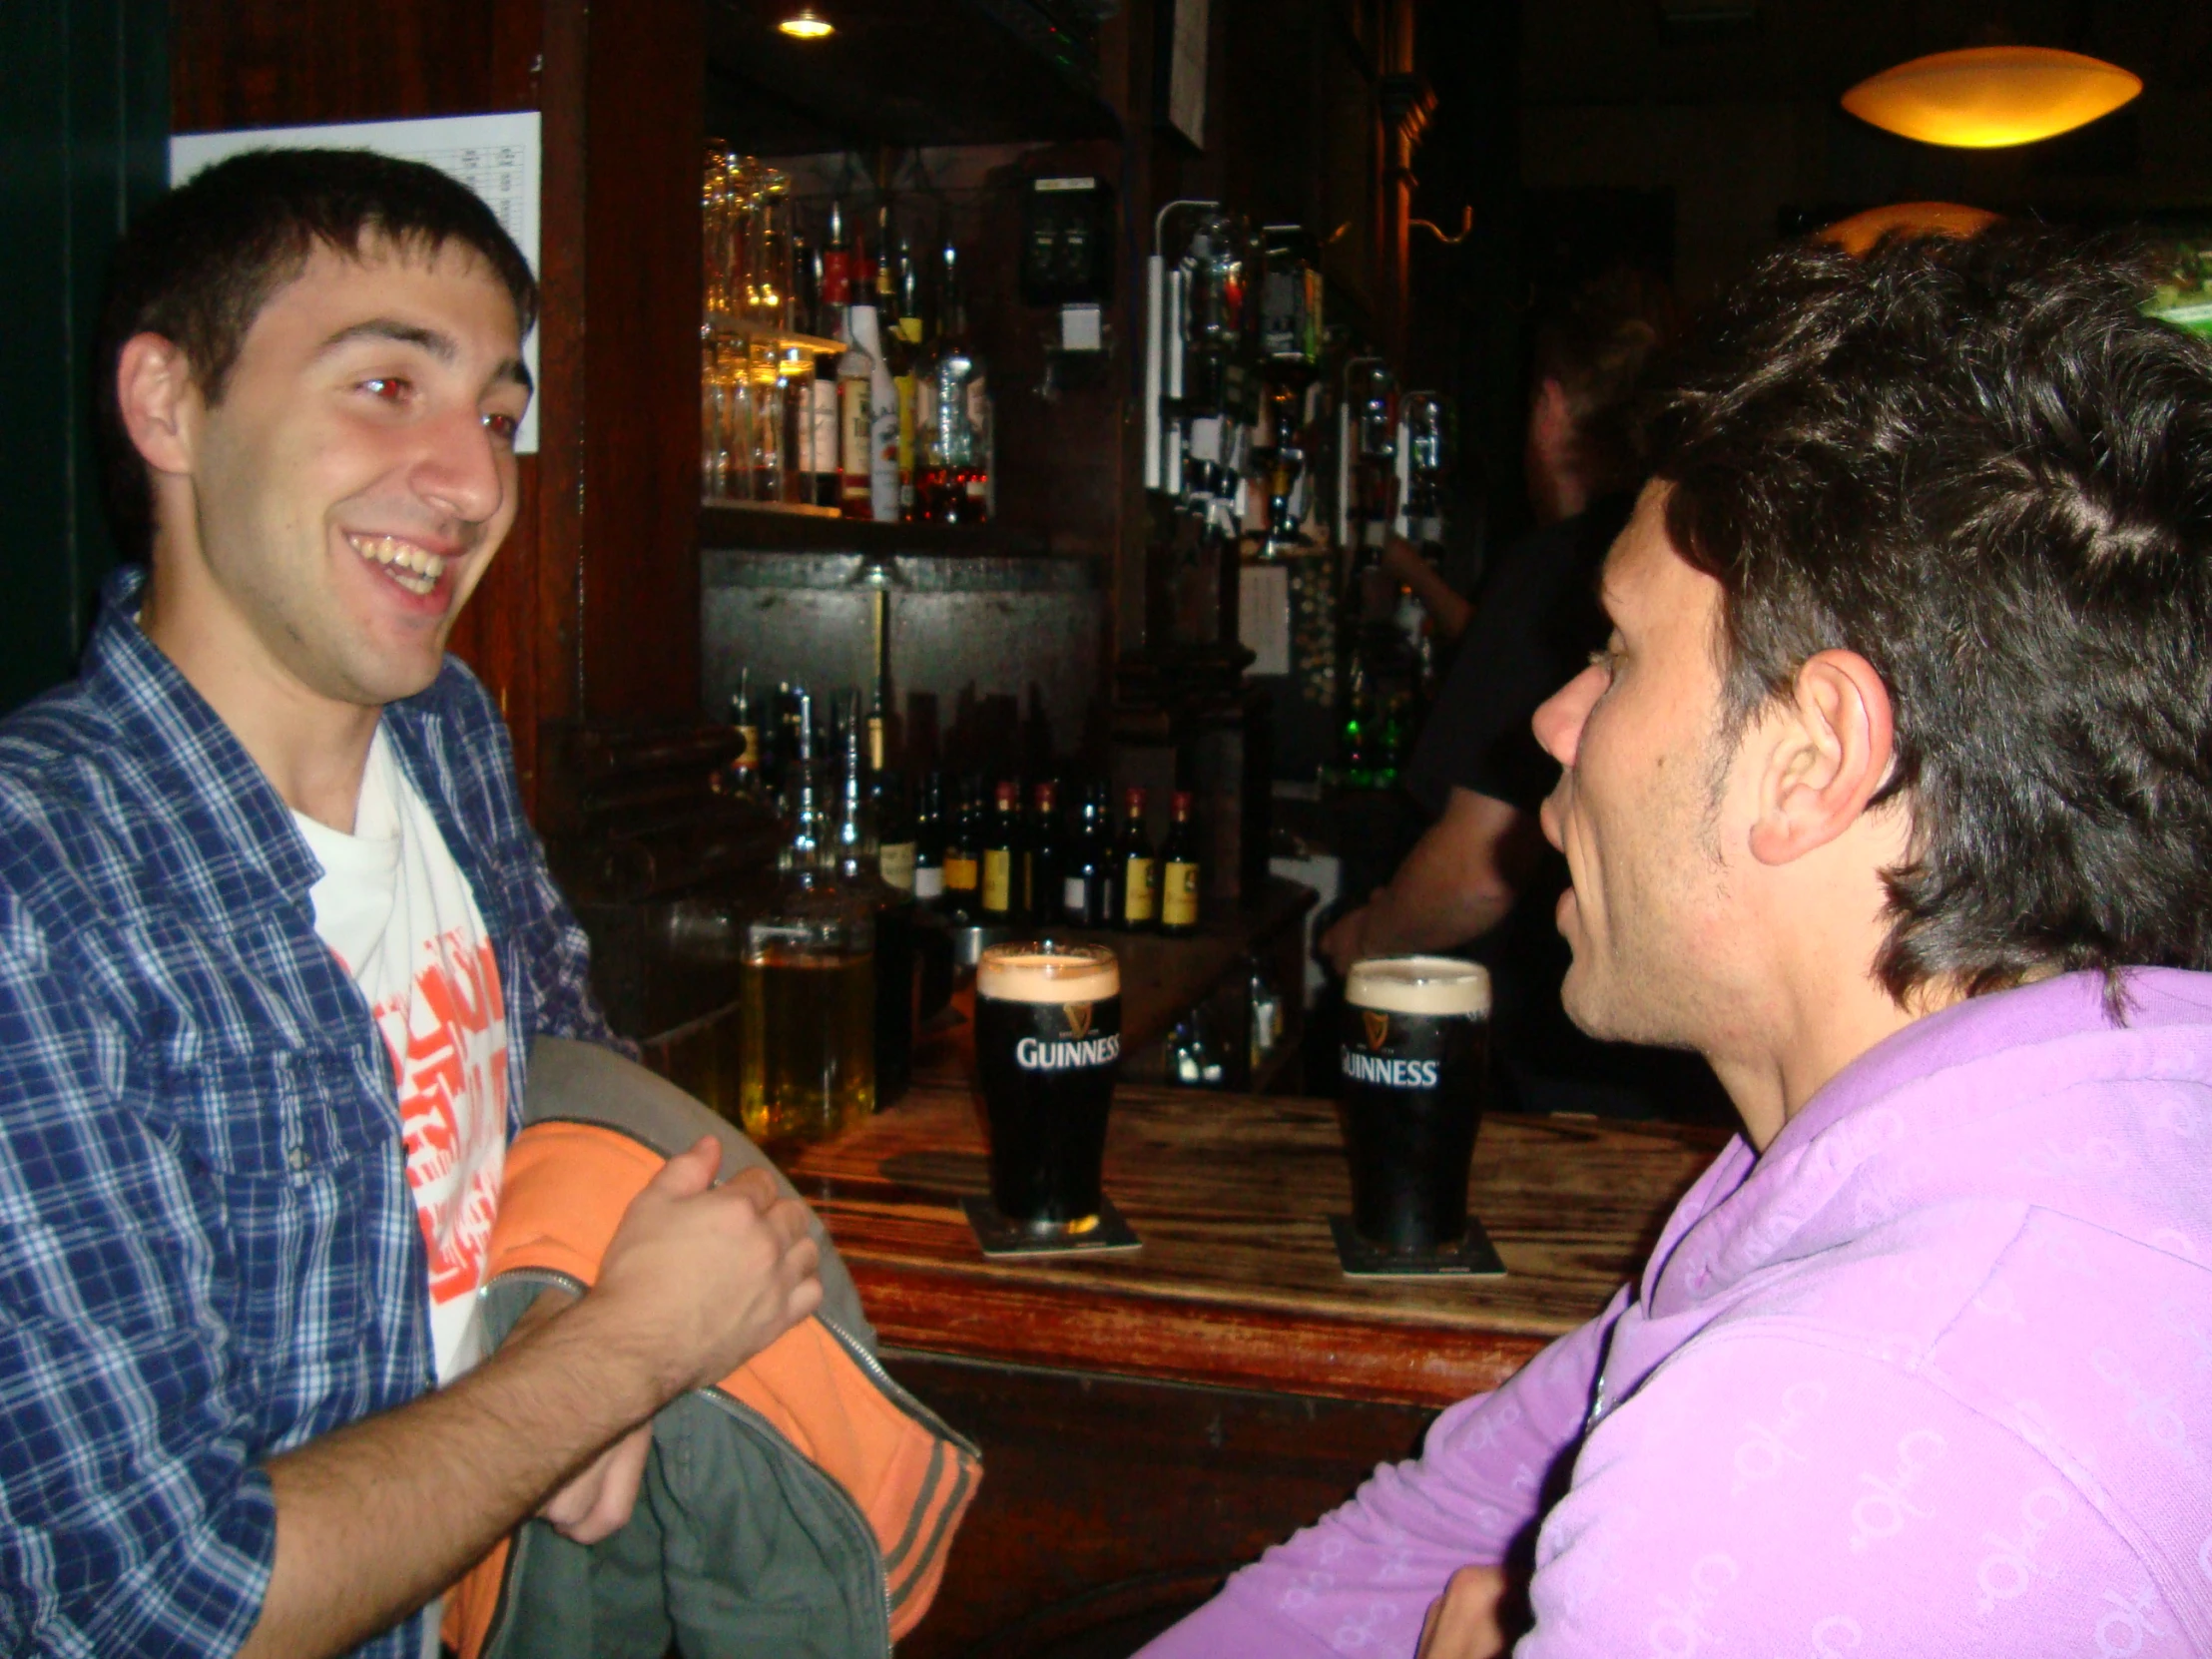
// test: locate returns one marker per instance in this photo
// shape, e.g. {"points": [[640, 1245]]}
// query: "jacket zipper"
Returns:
{"points": [[859, 1353], [855, 1521]]}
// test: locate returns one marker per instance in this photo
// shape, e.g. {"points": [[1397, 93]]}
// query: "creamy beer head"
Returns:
{"points": [[1047, 973], [1427, 985]]}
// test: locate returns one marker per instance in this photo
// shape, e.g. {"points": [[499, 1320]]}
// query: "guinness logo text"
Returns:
{"points": [[1388, 1074], [1035, 1055]]}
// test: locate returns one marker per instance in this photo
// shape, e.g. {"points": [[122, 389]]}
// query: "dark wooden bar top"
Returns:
{"points": [[1237, 1284]]}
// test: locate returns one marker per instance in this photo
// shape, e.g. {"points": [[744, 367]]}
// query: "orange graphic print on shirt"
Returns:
{"points": [[448, 1044]]}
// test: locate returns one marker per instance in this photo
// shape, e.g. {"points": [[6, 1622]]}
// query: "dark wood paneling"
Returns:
{"points": [[644, 119], [279, 63], [1108, 1505]]}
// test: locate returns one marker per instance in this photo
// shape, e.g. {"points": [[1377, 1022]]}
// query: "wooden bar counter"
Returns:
{"points": [[1151, 1419]]}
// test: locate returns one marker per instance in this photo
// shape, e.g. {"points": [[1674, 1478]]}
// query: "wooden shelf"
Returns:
{"points": [[771, 528], [783, 339], [779, 509]]}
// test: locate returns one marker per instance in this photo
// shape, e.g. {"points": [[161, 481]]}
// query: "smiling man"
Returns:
{"points": [[1892, 796], [274, 942]]}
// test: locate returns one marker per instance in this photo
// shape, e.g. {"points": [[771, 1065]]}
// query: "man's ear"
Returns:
{"points": [[1829, 748], [155, 392]]}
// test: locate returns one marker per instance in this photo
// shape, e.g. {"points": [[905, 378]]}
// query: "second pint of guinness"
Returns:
{"points": [[1047, 1047], [1409, 1085]]}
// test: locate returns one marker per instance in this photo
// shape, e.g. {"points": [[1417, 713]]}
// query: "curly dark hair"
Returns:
{"points": [[1982, 467], [198, 264]]}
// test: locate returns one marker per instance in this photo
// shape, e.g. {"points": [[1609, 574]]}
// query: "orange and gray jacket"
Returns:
{"points": [[804, 1507]]}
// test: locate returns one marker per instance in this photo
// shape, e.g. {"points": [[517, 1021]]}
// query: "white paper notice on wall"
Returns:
{"points": [[1264, 617], [496, 155]]}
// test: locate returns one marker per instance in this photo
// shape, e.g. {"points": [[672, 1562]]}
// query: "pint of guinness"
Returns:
{"points": [[1047, 1046], [1411, 1071]]}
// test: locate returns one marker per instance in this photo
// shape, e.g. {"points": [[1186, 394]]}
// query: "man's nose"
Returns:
{"points": [[1558, 724], [461, 470]]}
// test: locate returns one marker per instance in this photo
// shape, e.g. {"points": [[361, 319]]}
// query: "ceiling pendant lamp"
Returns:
{"points": [[805, 24], [1987, 97]]}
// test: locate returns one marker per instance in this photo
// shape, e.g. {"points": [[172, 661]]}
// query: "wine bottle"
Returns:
{"points": [[1134, 883], [1002, 850], [1178, 871]]}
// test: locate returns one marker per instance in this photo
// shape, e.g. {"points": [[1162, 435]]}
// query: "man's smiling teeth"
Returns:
{"points": [[410, 566]]}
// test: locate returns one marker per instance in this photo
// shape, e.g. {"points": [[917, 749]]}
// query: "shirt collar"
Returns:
{"points": [[245, 851]]}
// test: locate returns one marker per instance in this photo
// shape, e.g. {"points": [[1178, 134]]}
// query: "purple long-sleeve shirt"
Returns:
{"points": [[1930, 1375]]}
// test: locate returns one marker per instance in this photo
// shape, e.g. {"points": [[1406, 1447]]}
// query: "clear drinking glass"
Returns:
{"points": [[807, 1012]]}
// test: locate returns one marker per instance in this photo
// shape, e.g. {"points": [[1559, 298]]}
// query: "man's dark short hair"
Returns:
{"points": [[1597, 344], [198, 265], [1980, 465]]}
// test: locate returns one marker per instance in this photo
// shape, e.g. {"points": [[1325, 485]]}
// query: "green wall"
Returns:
{"points": [[84, 125]]}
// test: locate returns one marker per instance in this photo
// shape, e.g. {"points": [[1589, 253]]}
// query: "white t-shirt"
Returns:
{"points": [[396, 910]]}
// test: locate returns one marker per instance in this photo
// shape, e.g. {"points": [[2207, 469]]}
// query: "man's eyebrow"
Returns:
{"points": [[436, 342], [440, 345]]}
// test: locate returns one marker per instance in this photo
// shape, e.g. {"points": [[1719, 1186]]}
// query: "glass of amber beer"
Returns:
{"points": [[1047, 1046], [1411, 1071]]}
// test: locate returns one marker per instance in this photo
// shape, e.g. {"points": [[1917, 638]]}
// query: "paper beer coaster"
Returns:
{"points": [[1002, 1237], [1473, 1256]]}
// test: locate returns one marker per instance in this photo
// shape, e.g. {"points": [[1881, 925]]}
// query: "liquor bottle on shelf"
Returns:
{"points": [[805, 848], [820, 446], [1087, 863], [898, 846], [952, 419], [1425, 466], [1133, 881], [857, 371], [930, 839], [1216, 288], [747, 722], [741, 779], [858, 874], [883, 390], [1179, 871], [1040, 856], [963, 862], [905, 344], [806, 984], [1002, 855], [836, 268]]}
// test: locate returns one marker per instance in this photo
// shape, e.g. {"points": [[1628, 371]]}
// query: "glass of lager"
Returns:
{"points": [[1411, 1067], [806, 1020], [1047, 1046]]}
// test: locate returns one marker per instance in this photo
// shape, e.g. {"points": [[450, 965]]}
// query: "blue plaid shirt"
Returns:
{"points": [[208, 1252]]}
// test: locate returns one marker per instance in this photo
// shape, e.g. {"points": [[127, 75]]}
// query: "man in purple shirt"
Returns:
{"points": [[1892, 796]]}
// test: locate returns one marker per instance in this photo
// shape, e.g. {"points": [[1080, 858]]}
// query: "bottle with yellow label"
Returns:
{"points": [[1002, 856], [963, 862], [1178, 871], [1133, 882]]}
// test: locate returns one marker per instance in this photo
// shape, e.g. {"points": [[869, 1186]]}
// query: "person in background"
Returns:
{"points": [[1481, 877], [1889, 793], [274, 943]]}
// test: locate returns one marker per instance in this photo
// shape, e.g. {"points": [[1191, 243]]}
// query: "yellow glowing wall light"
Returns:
{"points": [[1987, 97], [805, 24]]}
